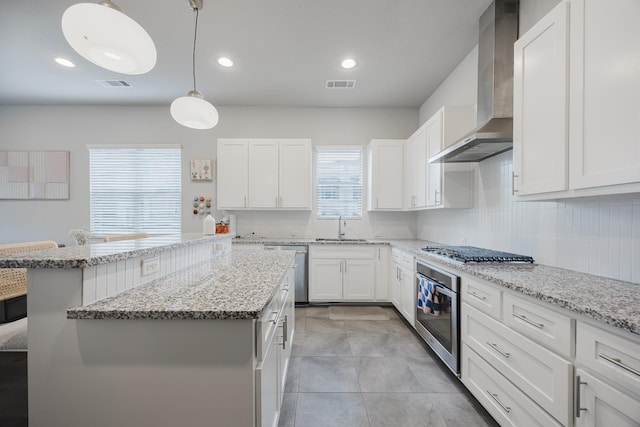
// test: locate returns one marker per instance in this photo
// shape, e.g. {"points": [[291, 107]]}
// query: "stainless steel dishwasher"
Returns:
{"points": [[302, 264]]}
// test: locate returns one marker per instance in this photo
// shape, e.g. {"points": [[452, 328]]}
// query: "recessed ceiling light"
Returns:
{"points": [[348, 63], [225, 62], [64, 62]]}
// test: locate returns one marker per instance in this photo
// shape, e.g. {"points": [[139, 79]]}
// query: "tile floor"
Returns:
{"points": [[374, 373]]}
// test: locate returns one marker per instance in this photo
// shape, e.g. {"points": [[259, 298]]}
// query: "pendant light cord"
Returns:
{"points": [[195, 37]]}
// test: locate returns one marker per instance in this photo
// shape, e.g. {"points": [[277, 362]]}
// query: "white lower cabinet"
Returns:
{"points": [[342, 273], [607, 384], [402, 279], [503, 400], [542, 375], [601, 405], [274, 335]]}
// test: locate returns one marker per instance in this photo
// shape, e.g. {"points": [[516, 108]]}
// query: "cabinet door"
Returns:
{"points": [[263, 174], [603, 136], [396, 287], [385, 174], [233, 173], [382, 273], [409, 295], [325, 279], [267, 387], [540, 137], [421, 167], [410, 180], [359, 279], [602, 405], [434, 170], [295, 174]]}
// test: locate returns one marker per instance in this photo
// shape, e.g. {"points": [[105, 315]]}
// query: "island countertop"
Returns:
{"points": [[237, 285], [102, 253]]}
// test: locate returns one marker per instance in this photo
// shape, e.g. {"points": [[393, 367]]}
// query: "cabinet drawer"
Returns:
{"points": [[407, 262], [542, 375], [549, 328], [508, 405], [613, 356], [268, 321], [485, 298], [396, 255], [342, 251]]}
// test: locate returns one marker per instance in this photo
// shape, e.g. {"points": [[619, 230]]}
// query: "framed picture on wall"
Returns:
{"points": [[201, 170]]}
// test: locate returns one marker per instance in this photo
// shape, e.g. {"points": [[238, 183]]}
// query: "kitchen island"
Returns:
{"points": [[196, 345]]}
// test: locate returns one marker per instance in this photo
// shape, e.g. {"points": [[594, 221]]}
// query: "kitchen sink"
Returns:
{"points": [[341, 240]]}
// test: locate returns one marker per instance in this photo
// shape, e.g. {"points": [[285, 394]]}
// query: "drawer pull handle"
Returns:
{"points": [[495, 347], [619, 363], [480, 297], [507, 409], [577, 385], [531, 322]]}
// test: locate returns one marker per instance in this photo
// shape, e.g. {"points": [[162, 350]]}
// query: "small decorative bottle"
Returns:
{"points": [[209, 225]]}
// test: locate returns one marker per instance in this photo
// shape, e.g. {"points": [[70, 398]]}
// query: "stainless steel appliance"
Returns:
{"points": [[440, 327], [302, 264], [494, 133], [472, 254]]}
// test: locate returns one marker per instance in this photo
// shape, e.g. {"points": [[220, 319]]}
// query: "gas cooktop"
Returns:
{"points": [[469, 254]]}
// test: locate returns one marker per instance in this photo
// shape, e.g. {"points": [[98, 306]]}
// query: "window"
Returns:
{"points": [[339, 182], [135, 189]]}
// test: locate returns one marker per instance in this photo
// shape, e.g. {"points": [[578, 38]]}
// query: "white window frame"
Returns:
{"points": [[320, 148], [165, 218]]}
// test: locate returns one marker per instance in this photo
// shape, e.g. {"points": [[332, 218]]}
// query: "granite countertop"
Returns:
{"points": [[611, 301], [237, 285], [102, 253]]}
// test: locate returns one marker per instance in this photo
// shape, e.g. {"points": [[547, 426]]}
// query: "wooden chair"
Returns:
{"points": [[13, 281], [118, 237]]}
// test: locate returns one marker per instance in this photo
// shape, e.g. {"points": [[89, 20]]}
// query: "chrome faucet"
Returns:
{"points": [[341, 220]]}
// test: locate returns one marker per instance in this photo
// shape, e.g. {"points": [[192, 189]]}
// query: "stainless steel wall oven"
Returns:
{"points": [[437, 311]]}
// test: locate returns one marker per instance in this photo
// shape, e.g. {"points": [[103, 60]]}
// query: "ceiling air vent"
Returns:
{"points": [[113, 83], [341, 84]]}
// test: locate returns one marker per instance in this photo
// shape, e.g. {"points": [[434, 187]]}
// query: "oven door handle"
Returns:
{"points": [[443, 289]]}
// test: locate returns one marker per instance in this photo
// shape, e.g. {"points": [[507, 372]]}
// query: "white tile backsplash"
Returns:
{"points": [[599, 236]]}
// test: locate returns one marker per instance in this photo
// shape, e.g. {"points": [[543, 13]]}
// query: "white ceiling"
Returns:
{"points": [[284, 52]]}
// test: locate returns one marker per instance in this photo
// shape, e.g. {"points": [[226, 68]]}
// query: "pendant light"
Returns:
{"points": [[193, 111], [103, 34]]}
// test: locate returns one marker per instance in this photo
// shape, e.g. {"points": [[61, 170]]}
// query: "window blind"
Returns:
{"points": [[339, 182], [135, 190]]}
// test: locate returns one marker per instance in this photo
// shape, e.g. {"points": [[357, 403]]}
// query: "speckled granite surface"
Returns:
{"points": [[234, 286], [101, 253], [614, 302]]}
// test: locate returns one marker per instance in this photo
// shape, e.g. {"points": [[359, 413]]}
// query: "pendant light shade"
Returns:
{"points": [[193, 111], [104, 35]]}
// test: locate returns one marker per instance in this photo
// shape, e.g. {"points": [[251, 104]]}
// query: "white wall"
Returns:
{"points": [[73, 127], [598, 236]]}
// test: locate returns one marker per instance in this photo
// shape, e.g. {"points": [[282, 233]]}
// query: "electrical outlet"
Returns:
{"points": [[294, 234], [378, 234], [150, 266]]}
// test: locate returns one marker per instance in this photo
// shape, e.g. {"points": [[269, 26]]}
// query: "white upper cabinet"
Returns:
{"points": [[264, 174], [604, 93], [415, 170], [448, 185], [540, 127], [233, 173], [385, 160], [294, 176], [576, 104]]}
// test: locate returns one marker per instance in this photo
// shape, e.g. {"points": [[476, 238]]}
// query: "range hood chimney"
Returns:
{"points": [[494, 132]]}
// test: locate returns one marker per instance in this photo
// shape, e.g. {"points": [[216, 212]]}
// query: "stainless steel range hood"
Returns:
{"points": [[494, 133]]}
